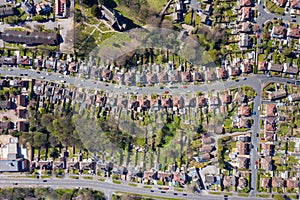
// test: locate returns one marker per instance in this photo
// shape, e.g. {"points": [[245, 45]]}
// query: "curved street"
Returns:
{"points": [[255, 81]]}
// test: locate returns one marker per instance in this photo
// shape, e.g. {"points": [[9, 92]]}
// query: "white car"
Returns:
{"points": [[42, 77], [258, 108]]}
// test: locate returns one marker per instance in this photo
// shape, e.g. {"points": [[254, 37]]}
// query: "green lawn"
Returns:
{"points": [[263, 195], [116, 182], [243, 194], [88, 177]]}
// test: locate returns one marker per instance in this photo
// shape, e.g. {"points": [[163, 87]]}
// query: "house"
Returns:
{"points": [[242, 182], [278, 182], [6, 125], [22, 100], [270, 136], [8, 60], [163, 77], [280, 3], [201, 102], [244, 111], [198, 76], [7, 11], [210, 75], [243, 163], [245, 3], [186, 76], [243, 147], [294, 97], [150, 176], [271, 110], [22, 126], [30, 38], [244, 41], [42, 8], [278, 32], [213, 102], [292, 183], [295, 4], [247, 67], [206, 149], [204, 157], [4, 104], [293, 32], [279, 94], [246, 14], [264, 182], [270, 124], [222, 73], [234, 71], [226, 99], [275, 67], [267, 149], [164, 176], [245, 27], [289, 69], [262, 66], [209, 179], [266, 163], [60, 8], [229, 181], [152, 78], [208, 9]]}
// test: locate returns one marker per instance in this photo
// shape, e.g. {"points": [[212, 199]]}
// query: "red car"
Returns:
{"points": [[166, 92], [184, 86]]}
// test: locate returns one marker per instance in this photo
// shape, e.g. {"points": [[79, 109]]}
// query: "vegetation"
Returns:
{"points": [[48, 193]]}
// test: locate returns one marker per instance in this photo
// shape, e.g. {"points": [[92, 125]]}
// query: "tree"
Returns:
{"points": [[95, 10]]}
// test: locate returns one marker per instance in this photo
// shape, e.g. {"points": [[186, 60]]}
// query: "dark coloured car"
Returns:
{"points": [[151, 190], [162, 191]]}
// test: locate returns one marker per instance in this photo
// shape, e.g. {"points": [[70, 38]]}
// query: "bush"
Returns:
{"points": [[115, 176]]}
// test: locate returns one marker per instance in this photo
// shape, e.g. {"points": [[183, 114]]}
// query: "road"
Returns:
{"points": [[254, 81], [106, 187], [265, 15]]}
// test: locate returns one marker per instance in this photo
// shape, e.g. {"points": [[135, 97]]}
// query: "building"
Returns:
{"points": [[60, 8], [275, 67], [293, 33], [262, 66], [7, 11], [115, 19], [12, 156], [278, 32], [279, 94], [294, 97], [30, 38], [271, 110], [280, 3], [264, 182], [244, 41]]}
